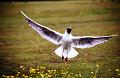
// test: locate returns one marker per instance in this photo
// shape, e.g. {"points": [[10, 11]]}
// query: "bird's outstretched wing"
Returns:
{"points": [[45, 32], [88, 41]]}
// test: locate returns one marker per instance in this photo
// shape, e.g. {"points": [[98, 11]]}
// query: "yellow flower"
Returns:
{"points": [[42, 67], [21, 67], [18, 72], [12, 76], [26, 76], [54, 70], [3, 75], [32, 70], [117, 70], [49, 75], [118, 74], [109, 69], [7, 76], [42, 75], [48, 71], [80, 75], [97, 66], [85, 61], [23, 75], [38, 72], [92, 72]]}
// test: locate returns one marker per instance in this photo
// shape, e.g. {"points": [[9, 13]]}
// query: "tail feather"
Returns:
{"points": [[59, 51], [72, 52]]}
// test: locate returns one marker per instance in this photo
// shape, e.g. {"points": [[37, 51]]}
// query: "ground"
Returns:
{"points": [[20, 45]]}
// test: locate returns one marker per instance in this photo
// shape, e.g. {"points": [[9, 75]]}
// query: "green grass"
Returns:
{"points": [[21, 45]]}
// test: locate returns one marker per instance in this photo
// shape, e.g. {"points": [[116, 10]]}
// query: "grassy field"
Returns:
{"points": [[20, 45]]}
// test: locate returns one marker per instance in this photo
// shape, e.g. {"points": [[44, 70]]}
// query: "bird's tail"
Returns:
{"points": [[72, 52]]}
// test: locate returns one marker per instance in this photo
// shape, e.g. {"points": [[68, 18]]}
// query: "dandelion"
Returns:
{"points": [[21, 67], [4, 76], [37, 69], [42, 75], [42, 67], [54, 70], [118, 74], [83, 63], [97, 66], [48, 71], [109, 69], [32, 70], [12, 76], [61, 70], [79, 74], [38, 72], [7, 76], [49, 75], [117, 70], [76, 74], [23, 75], [92, 72], [18, 72], [26, 76]]}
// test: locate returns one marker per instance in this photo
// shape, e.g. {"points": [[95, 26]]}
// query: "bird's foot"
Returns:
{"points": [[66, 59], [62, 58]]}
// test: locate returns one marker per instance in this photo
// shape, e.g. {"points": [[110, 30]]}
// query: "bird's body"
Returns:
{"points": [[66, 41], [66, 50]]}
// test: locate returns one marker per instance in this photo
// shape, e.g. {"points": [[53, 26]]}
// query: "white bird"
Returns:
{"points": [[66, 41]]}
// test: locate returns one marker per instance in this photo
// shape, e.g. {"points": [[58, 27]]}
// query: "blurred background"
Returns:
{"points": [[20, 45]]}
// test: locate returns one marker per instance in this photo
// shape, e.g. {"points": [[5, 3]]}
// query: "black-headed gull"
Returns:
{"points": [[66, 41]]}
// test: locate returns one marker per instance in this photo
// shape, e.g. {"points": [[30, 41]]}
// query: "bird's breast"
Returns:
{"points": [[66, 43]]}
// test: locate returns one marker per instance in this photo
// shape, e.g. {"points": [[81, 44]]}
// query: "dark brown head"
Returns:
{"points": [[69, 29]]}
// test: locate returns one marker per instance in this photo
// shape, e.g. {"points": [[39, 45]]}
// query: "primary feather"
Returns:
{"points": [[89, 41], [45, 32]]}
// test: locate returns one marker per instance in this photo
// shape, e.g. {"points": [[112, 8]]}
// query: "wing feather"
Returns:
{"points": [[88, 41], [45, 32]]}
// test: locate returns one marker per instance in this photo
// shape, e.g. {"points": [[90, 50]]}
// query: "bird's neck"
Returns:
{"points": [[67, 33]]}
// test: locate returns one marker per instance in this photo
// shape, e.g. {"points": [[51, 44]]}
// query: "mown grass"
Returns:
{"points": [[20, 45]]}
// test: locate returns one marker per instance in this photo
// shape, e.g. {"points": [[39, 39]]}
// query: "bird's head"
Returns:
{"points": [[69, 29]]}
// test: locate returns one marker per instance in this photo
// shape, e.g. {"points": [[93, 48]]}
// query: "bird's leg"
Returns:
{"points": [[62, 58], [66, 57], [67, 54], [62, 55]]}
